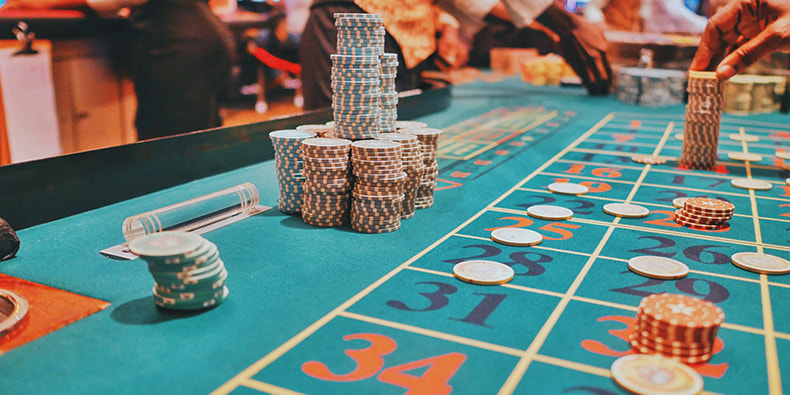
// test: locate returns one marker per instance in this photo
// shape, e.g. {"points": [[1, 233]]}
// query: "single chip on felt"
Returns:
{"points": [[760, 263], [649, 159], [751, 183], [545, 211], [744, 156], [568, 188], [783, 154], [658, 267], [9, 242], [750, 138], [654, 374], [626, 210]]}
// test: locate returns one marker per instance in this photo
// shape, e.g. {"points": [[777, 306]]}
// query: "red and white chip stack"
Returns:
{"points": [[703, 118]]}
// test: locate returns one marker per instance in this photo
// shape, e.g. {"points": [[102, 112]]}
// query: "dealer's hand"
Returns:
{"points": [[741, 33]]}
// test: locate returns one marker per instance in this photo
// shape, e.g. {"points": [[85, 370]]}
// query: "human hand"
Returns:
{"points": [[582, 45], [754, 27], [452, 49]]}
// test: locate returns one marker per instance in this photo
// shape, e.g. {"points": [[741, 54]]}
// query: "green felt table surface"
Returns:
{"points": [[555, 330]]}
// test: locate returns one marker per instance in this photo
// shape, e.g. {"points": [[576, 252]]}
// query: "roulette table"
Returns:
{"points": [[331, 310]]}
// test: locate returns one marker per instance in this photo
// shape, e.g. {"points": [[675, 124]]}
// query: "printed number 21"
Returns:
{"points": [[438, 370]]}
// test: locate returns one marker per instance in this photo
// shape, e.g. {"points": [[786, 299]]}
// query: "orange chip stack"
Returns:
{"points": [[677, 326], [705, 213]]}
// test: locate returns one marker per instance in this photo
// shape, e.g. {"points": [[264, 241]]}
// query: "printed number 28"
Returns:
{"points": [[438, 370]]}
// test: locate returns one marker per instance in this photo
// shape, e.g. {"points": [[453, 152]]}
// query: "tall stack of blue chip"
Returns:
{"points": [[188, 272], [389, 94], [287, 148], [356, 75]]}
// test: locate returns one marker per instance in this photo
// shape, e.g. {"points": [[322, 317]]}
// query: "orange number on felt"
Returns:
{"points": [[668, 221], [368, 360], [441, 369], [521, 222], [575, 169], [607, 172], [786, 190], [705, 369], [556, 227], [785, 214]]}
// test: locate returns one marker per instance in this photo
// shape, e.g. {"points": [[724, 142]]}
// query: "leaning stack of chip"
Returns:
{"points": [[704, 213], [356, 75], [389, 94], [187, 270], [429, 144], [703, 118], [377, 196], [325, 191], [287, 144], [413, 165], [676, 326]]}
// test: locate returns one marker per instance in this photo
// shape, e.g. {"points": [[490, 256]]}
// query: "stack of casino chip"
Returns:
{"points": [[187, 270], [429, 144], [325, 191], [289, 167], [320, 130], [389, 93], [377, 196], [356, 75], [413, 166], [676, 326], [704, 213], [650, 87], [703, 118]]}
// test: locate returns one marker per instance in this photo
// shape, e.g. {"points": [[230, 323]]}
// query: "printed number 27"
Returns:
{"points": [[438, 370]]}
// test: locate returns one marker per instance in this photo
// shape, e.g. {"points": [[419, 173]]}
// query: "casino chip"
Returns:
{"points": [[626, 210], [549, 212], [760, 263], [567, 188], [782, 154], [188, 273], [483, 272], [744, 156], [751, 183], [750, 138], [704, 213], [655, 375], [676, 326], [679, 202], [702, 121], [658, 267], [517, 237], [649, 159]]}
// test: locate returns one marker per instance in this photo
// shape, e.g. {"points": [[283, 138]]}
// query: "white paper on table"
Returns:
{"points": [[29, 102]]}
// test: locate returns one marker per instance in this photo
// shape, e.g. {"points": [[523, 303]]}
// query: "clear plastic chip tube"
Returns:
{"points": [[194, 214]]}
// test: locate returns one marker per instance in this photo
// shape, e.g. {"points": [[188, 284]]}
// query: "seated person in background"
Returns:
{"points": [[413, 26], [655, 16], [741, 33], [181, 56]]}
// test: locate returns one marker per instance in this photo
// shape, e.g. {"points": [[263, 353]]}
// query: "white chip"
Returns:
{"points": [[483, 272], [658, 267], [567, 188], [744, 156], [783, 154], [545, 211], [760, 263], [626, 210], [517, 237], [656, 375], [750, 183], [787, 181], [749, 138], [679, 202], [679, 136]]}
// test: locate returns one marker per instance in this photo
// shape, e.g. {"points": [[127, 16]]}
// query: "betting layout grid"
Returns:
{"points": [[591, 288]]}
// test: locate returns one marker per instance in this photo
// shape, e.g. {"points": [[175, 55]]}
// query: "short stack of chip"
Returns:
{"points": [[187, 270], [676, 326], [377, 196], [325, 191], [289, 167], [429, 144], [356, 75], [389, 94], [703, 118], [413, 166], [704, 213]]}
